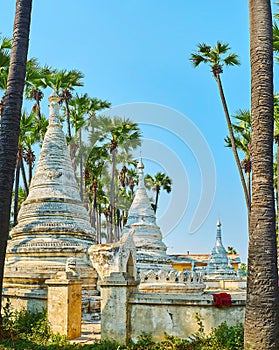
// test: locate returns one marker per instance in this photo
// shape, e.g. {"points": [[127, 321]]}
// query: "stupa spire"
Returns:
{"points": [[219, 234], [54, 109], [142, 224], [218, 264], [140, 167]]}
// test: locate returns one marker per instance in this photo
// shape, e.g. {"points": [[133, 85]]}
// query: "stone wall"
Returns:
{"points": [[175, 314], [159, 313]]}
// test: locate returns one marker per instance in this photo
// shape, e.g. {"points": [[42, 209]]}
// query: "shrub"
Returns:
{"points": [[24, 329]]}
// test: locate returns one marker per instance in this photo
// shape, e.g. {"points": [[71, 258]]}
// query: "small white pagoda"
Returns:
{"points": [[219, 272], [153, 264]]}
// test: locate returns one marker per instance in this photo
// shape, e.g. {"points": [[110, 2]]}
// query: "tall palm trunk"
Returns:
{"points": [[277, 182], [10, 122], [248, 184], [38, 109], [112, 198], [99, 225], [261, 317], [234, 149], [156, 199], [30, 172], [68, 119], [17, 174], [25, 184], [80, 166]]}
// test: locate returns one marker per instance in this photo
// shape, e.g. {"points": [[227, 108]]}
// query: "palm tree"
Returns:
{"points": [[214, 57], [156, 183], [276, 139], [242, 136], [112, 135], [10, 121], [95, 177], [82, 109], [37, 78], [262, 308], [26, 123], [64, 82], [126, 135], [5, 48], [231, 250], [276, 39]]}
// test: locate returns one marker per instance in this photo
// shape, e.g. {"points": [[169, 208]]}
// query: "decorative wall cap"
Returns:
{"points": [[163, 276]]}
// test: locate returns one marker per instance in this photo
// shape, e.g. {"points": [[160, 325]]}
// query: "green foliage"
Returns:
{"points": [[214, 56], [24, 329], [231, 250], [242, 269], [223, 337], [28, 327]]}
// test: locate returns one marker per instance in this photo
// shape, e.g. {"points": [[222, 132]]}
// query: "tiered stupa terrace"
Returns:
{"points": [[53, 224]]}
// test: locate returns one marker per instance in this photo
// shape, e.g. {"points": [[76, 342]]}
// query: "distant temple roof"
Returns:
{"points": [[200, 258]]}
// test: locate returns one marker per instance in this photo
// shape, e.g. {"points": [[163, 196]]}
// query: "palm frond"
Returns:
{"points": [[232, 60], [221, 48], [197, 59], [275, 30]]}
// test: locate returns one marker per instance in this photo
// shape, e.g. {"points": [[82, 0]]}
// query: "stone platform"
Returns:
{"points": [[90, 332]]}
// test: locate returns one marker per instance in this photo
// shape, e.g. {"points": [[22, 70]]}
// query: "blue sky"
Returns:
{"points": [[138, 52]]}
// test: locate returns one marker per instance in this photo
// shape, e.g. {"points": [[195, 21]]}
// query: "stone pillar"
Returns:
{"points": [[64, 305], [115, 313]]}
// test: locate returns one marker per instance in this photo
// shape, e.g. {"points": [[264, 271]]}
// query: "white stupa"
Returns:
{"points": [[53, 224], [218, 266], [153, 264], [141, 222]]}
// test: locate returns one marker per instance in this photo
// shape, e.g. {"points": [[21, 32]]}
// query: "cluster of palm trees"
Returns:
{"points": [[105, 166], [111, 175], [33, 123]]}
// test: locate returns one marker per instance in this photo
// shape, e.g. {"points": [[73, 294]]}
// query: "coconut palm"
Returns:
{"points": [[10, 121], [214, 56], [156, 183], [262, 311]]}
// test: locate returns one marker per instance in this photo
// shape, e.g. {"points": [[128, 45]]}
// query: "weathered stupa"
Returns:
{"points": [[153, 264], [53, 225]]}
